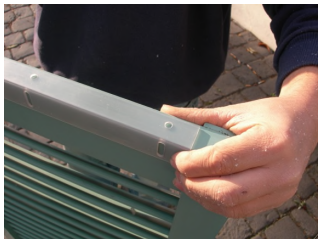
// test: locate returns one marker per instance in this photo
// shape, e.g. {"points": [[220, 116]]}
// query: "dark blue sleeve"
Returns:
{"points": [[295, 28]]}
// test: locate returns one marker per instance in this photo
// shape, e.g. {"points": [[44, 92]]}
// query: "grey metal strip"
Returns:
{"points": [[117, 119]]}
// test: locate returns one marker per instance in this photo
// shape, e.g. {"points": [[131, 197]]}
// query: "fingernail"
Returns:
{"points": [[164, 107]]}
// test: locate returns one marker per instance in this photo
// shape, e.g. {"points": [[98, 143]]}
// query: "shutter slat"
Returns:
{"points": [[115, 216], [39, 223], [24, 211], [99, 171], [120, 198], [18, 201]]}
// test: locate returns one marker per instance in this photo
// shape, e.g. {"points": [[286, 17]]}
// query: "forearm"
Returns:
{"points": [[299, 95], [301, 89], [303, 84]]}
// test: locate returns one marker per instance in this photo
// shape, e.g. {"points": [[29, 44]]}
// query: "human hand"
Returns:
{"points": [[260, 167]]}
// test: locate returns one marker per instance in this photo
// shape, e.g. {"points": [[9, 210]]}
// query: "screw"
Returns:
{"points": [[33, 76]]}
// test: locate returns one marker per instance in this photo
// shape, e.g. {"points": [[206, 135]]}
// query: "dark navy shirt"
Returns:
{"points": [[156, 54]]}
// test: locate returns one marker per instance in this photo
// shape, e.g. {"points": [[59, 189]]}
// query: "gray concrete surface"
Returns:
{"points": [[248, 76]]}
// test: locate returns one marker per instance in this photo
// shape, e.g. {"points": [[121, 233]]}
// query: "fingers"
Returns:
{"points": [[239, 195], [239, 188], [242, 175], [232, 155], [229, 117], [197, 116]]}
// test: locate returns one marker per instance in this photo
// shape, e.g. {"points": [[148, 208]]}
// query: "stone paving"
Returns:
{"points": [[248, 76]]}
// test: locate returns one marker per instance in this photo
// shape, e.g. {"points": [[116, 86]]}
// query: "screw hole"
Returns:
{"points": [[28, 99], [168, 125]]}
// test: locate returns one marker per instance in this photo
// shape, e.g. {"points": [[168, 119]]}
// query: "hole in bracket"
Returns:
{"points": [[160, 149], [28, 99], [168, 125]]}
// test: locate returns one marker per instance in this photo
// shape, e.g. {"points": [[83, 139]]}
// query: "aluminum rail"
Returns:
{"points": [[119, 120]]}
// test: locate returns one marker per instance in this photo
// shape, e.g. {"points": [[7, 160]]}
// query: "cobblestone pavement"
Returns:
{"points": [[248, 75]]}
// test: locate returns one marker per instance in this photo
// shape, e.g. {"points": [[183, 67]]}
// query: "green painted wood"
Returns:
{"points": [[39, 223], [41, 218], [31, 225], [113, 215], [202, 224], [100, 148], [95, 169], [120, 197], [28, 235], [27, 229], [64, 175], [185, 229], [20, 197], [33, 234], [36, 183], [25, 236], [117, 226], [37, 209], [61, 225]]}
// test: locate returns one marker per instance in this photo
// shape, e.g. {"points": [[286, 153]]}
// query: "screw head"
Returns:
{"points": [[33, 76]]}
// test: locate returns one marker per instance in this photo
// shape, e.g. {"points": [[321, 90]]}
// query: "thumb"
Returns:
{"points": [[198, 116]]}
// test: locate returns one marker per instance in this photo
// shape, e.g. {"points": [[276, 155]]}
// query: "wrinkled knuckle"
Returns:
{"points": [[211, 163], [224, 164], [219, 163], [206, 113]]}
